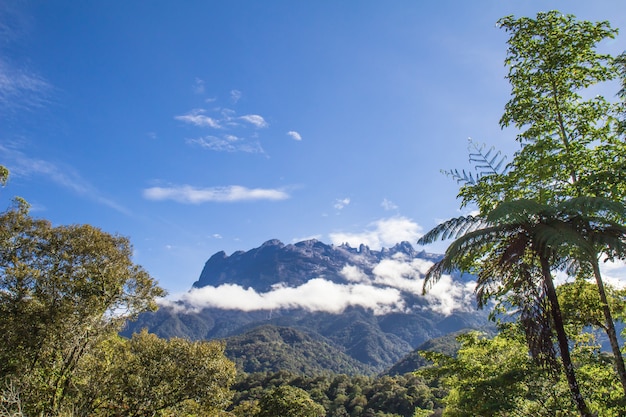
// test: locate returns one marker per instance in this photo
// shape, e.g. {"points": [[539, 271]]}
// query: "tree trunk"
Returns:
{"points": [[568, 367], [610, 328]]}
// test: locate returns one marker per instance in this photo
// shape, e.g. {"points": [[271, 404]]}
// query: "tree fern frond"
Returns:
{"points": [[594, 207], [467, 178], [433, 275], [485, 163], [451, 228], [518, 211], [556, 239]]}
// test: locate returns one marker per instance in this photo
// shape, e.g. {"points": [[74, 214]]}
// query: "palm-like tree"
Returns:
{"points": [[513, 248]]}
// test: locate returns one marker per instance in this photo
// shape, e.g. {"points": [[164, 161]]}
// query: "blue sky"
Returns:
{"points": [[199, 126]]}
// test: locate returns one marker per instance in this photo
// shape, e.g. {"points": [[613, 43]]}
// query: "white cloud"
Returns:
{"points": [[227, 143], [254, 119], [294, 135], [381, 233], [197, 118], [235, 96], [198, 86], [614, 273], [341, 203], [388, 205], [191, 195], [315, 295], [447, 296], [352, 273]]}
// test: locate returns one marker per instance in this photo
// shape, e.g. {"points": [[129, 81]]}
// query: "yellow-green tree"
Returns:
{"points": [[150, 376], [286, 400], [63, 289], [495, 377]]}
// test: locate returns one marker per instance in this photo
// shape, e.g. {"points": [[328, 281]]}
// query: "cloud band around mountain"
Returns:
{"points": [[386, 290]]}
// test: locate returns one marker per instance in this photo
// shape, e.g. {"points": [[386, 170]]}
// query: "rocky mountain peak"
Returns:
{"points": [[293, 264]]}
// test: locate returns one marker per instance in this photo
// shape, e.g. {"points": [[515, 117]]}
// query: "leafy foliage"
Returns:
{"points": [[147, 376], [62, 290], [286, 400], [343, 395], [496, 377], [570, 146]]}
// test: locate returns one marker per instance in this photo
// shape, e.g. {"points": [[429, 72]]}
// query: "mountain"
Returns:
{"points": [[295, 264], [363, 307]]}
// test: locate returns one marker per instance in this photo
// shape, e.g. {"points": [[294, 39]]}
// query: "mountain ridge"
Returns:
{"points": [[273, 262]]}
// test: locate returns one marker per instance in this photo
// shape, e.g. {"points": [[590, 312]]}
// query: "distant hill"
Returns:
{"points": [[270, 348], [448, 345], [383, 317]]}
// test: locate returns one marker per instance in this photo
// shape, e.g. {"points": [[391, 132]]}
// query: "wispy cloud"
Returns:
{"points": [[235, 96], [294, 135], [192, 195], [227, 143], [196, 117], [381, 233], [198, 86], [255, 120], [384, 291], [236, 132], [21, 165], [20, 88], [341, 203], [388, 205]]}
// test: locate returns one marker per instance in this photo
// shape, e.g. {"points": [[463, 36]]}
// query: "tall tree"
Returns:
{"points": [[487, 377], [509, 248], [62, 290], [600, 222], [566, 140], [570, 146]]}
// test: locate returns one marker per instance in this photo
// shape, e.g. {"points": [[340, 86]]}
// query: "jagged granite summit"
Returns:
{"points": [[294, 264]]}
